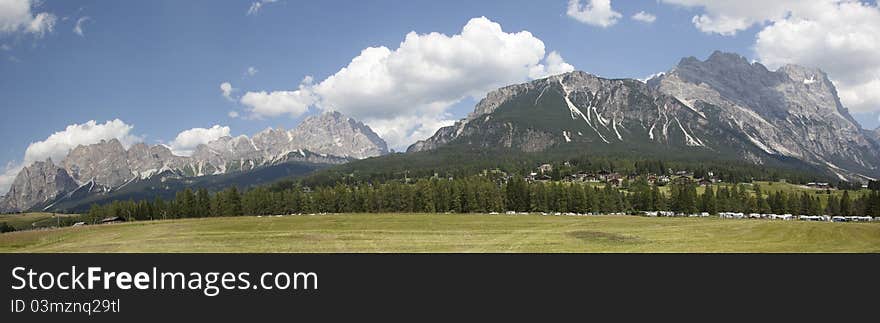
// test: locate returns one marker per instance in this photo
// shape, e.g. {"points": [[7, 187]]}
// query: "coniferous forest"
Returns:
{"points": [[485, 194]]}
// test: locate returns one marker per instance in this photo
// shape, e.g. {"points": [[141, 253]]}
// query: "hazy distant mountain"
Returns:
{"points": [[724, 105], [104, 167]]}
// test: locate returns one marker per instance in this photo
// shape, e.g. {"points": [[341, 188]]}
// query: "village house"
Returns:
{"points": [[818, 185], [545, 168], [616, 182], [113, 219], [683, 180], [663, 180]]}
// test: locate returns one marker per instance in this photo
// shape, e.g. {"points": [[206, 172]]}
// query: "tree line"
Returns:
{"points": [[484, 194], [458, 162]]}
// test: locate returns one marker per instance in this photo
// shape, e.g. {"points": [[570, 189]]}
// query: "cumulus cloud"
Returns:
{"points": [[78, 27], [404, 93], [232, 114], [57, 145], [644, 17], [402, 130], [187, 140], [730, 17], [7, 177], [18, 16], [226, 90], [553, 64], [256, 6], [842, 37], [277, 103], [593, 12], [251, 71], [430, 72]]}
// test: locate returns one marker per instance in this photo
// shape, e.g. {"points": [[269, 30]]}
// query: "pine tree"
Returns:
{"points": [[845, 204], [233, 202], [708, 201], [203, 203]]}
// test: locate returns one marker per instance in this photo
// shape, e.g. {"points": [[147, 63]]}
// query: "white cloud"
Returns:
{"points": [[430, 72], [842, 37], [187, 140], [7, 177], [59, 144], [730, 17], [644, 17], [232, 114], [404, 93], [553, 64], [251, 71], [277, 103], [402, 130], [226, 90], [257, 5], [17, 16], [593, 12], [77, 29]]}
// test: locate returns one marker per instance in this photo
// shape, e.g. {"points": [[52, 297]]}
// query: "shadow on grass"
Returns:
{"points": [[605, 237]]}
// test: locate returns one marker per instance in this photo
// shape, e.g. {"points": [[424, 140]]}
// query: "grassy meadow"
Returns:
{"points": [[451, 233], [34, 220]]}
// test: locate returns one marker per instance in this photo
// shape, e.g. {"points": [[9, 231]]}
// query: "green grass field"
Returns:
{"points": [[451, 233], [27, 221]]}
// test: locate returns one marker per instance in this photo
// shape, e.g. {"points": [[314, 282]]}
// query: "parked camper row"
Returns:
{"points": [[673, 214], [768, 216], [787, 217], [853, 219]]}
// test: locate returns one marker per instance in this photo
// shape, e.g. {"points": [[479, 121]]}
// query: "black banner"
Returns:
{"points": [[416, 287]]}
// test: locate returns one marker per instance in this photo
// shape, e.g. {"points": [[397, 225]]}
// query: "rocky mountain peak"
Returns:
{"points": [[329, 138], [336, 134], [106, 162], [794, 111], [37, 183], [725, 58], [572, 80]]}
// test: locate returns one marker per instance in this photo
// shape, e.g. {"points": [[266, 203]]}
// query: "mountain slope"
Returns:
{"points": [[583, 112], [724, 106], [793, 111], [38, 183]]}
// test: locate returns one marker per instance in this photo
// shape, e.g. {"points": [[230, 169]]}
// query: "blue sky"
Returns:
{"points": [[158, 65]]}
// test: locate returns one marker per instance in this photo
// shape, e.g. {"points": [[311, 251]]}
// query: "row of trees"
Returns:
{"points": [[486, 194], [5, 227]]}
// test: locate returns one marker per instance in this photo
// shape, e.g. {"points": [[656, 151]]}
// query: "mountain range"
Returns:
{"points": [[723, 107], [107, 167]]}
